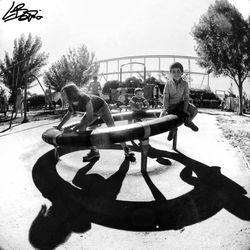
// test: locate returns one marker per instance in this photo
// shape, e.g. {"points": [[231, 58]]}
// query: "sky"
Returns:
{"points": [[113, 28]]}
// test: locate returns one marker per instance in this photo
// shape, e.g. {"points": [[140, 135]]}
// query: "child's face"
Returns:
{"points": [[176, 73], [139, 94]]}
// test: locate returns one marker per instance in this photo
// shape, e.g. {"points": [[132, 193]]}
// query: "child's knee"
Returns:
{"points": [[193, 111]]}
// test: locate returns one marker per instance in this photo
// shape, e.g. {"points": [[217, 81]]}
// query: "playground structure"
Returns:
{"points": [[155, 66], [109, 136], [112, 68]]}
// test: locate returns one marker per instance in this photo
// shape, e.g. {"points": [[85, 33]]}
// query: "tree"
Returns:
{"points": [[223, 43], [4, 97], [25, 63], [112, 84], [132, 82], [24, 66], [77, 66], [57, 75]]}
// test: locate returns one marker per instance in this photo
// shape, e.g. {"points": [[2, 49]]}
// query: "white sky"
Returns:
{"points": [[111, 28]]}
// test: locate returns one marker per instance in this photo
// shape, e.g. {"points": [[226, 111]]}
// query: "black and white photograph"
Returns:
{"points": [[125, 125]]}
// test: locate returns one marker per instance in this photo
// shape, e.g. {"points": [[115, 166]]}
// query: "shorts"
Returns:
{"points": [[105, 114]]}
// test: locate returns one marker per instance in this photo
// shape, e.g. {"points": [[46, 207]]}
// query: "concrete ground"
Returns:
{"points": [[222, 219]]}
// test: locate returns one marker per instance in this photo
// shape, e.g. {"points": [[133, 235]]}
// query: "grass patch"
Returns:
{"points": [[236, 129]]}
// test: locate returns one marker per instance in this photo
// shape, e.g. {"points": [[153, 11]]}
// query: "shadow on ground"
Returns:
{"points": [[92, 199]]}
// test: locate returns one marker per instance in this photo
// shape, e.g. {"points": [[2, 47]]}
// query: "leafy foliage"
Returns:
{"points": [[36, 101], [26, 61], [77, 66], [4, 92], [132, 82], [113, 84], [223, 42], [57, 75]]}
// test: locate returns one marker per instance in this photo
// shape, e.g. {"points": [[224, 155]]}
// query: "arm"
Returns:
{"points": [[146, 104], [132, 104], [65, 119], [87, 118], [99, 86], [166, 98]]}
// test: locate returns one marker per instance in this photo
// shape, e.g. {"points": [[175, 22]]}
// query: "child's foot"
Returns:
{"points": [[171, 134], [130, 155], [128, 152], [91, 155], [192, 126]]}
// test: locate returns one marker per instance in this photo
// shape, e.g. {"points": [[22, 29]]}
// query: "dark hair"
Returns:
{"points": [[72, 91], [176, 65], [138, 89]]}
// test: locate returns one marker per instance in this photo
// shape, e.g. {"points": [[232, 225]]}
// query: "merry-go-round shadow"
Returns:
{"points": [[92, 199]]}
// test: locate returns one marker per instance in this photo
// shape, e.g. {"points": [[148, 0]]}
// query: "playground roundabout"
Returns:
{"points": [[94, 194]]}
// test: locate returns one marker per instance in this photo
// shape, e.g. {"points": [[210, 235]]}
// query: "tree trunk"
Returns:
{"points": [[240, 87], [25, 119]]}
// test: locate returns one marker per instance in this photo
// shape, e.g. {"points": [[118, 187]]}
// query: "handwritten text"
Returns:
{"points": [[20, 13]]}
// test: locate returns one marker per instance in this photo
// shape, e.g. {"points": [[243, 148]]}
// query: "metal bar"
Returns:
{"points": [[131, 67], [148, 56], [175, 140], [144, 154], [56, 153], [120, 74], [144, 75], [118, 69], [142, 71], [25, 118], [159, 64], [107, 69], [189, 70]]}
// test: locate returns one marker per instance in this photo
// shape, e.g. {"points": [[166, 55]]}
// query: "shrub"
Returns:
{"points": [[36, 101], [114, 84], [132, 82]]}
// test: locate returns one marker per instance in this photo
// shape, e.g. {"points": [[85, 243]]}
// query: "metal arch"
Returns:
{"points": [[144, 69], [106, 72], [147, 56], [132, 63]]}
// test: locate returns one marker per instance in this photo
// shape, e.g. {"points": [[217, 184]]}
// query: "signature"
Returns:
{"points": [[20, 13]]}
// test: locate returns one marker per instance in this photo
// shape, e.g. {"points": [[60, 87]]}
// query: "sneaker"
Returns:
{"points": [[128, 152], [192, 126], [171, 134], [91, 155]]}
